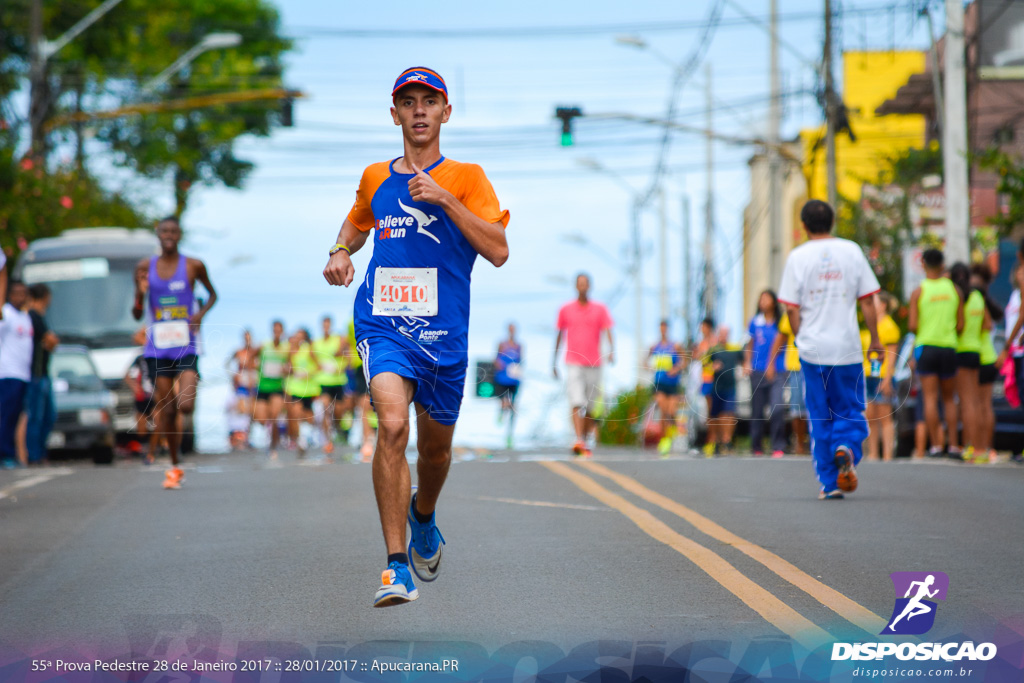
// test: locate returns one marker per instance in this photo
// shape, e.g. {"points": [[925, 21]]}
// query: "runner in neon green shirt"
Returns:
{"points": [[273, 354], [937, 317], [331, 352], [300, 387]]}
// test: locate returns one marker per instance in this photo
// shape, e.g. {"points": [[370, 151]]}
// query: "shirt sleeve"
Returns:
{"points": [[477, 195], [563, 322], [606, 323], [790, 289], [361, 214]]}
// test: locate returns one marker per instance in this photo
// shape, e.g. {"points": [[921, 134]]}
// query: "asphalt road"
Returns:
{"points": [[541, 548]]}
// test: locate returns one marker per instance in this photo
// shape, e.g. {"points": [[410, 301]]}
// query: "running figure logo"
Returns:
{"points": [[914, 613], [422, 220]]}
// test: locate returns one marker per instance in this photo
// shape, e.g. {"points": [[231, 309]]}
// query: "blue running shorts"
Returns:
{"points": [[439, 388]]}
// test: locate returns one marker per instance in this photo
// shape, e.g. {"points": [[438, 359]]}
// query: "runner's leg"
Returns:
{"points": [[947, 386], [434, 443], [930, 389], [165, 409], [392, 396]]}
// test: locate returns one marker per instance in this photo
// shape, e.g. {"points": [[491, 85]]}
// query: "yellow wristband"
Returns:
{"points": [[340, 247]]}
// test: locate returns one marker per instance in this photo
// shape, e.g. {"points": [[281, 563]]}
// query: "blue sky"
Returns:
{"points": [[266, 244]]}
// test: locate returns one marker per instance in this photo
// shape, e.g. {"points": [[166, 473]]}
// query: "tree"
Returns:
{"points": [[1010, 186], [105, 67], [882, 222], [35, 203]]}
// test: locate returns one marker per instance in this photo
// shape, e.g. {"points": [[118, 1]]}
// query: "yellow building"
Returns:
{"points": [[869, 79]]}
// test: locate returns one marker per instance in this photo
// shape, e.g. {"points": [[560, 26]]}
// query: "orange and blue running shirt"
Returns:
{"points": [[419, 235]]}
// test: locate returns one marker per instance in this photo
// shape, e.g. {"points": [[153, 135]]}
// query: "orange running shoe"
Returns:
{"points": [[174, 479], [847, 479], [578, 448], [367, 451]]}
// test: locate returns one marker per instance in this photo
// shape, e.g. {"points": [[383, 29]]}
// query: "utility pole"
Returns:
{"points": [[40, 51], [774, 184], [638, 292], [663, 249], [687, 278], [37, 82], [954, 138], [709, 206], [933, 62], [830, 110]]}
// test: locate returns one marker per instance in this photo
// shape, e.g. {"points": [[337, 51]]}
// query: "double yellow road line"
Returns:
{"points": [[771, 608]]}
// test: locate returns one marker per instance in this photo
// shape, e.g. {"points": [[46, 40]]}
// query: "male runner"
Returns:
{"points": [[273, 355], [824, 281], [433, 216], [165, 284], [301, 389], [580, 323], [330, 354], [668, 361], [507, 375], [245, 373]]}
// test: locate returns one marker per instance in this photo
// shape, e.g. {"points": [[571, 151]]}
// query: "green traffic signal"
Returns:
{"points": [[566, 139], [485, 390]]}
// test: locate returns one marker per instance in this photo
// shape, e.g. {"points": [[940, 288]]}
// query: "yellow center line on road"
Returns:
{"points": [[543, 504], [771, 608], [855, 613]]}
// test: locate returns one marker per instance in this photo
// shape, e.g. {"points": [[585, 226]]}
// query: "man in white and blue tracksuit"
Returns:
{"points": [[824, 280]]}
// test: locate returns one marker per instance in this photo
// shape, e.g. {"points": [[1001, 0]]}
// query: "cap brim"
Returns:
{"points": [[423, 83]]}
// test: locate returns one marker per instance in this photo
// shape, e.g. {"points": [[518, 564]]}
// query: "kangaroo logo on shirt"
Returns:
{"points": [[422, 220]]}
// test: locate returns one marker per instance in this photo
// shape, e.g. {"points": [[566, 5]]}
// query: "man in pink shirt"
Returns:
{"points": [[581, 323]]}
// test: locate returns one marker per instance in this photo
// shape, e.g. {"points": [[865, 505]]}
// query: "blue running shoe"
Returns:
{"points": [[424, 546], [396, 586]]}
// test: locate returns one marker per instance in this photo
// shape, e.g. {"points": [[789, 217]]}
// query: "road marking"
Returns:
{"points": [[544, 504], [773, 610], [848, 609], [31, 481]]}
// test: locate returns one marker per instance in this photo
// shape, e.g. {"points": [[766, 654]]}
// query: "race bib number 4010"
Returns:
{"points": [[405, 291]]}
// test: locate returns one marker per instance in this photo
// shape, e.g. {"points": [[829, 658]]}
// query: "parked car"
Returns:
{"points": [[84, 423], [1009, 431]]}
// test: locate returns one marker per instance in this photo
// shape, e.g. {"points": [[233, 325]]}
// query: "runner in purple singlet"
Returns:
{"points": [[165, 286]]}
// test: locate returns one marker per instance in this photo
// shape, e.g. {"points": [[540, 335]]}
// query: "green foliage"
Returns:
{"points": [[35, 204], [107, 65], [1011, 186], [624, 419], [881, 221]]}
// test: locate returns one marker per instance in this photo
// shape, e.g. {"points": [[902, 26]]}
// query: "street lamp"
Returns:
{"points": [[638, 283], [633, 40], [211, 41]]}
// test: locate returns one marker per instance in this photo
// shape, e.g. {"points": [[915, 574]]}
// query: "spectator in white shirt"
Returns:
{"points": [[15, 367], [823, 281]]}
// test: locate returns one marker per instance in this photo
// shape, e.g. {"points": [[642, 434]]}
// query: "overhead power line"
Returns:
{"points": [[545, 32]]}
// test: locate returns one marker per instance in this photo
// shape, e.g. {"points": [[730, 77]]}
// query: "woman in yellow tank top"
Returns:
{"points": [[981, 278], [968, 356], [937, 317]]}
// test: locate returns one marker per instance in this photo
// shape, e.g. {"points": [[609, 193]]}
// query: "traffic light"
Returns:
{"points": [[567, 114], [287, 118], [485, 384]]}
